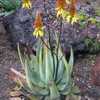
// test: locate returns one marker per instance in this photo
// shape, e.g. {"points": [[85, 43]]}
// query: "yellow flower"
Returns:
{"points": [[62, 13], [60, 8], [38, 32], [26, 4], [38, 26], [68, 1], [72, 17]]}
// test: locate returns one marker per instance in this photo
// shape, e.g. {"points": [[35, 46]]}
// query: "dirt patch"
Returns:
{"points": [[82, 75], [8, 59]]}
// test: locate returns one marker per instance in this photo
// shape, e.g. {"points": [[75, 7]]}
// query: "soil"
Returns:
{"points": [[83, 77], [8, 59]]}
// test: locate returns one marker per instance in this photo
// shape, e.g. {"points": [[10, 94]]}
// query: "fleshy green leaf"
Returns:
{"points": [[54, 93], [71, 61]]}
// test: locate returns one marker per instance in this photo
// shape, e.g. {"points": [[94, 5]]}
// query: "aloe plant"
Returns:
{"points": [[43, 78], [8, 6]]}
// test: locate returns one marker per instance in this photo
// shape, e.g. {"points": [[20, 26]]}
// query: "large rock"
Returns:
{"points": [[20, 27]]}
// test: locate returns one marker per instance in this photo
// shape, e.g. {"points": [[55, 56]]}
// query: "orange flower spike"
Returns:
{"points": [[38, 26], [73, 10], [73, 17], [60, 4], [61, 8], [38, 21], [74, 2]]}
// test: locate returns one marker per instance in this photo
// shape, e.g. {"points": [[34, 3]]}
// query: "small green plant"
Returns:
{"points": [[93, 45], [8, 6]]}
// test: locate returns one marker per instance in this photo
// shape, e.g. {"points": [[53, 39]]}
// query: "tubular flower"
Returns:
{"points": [[26, 4], [68, 1], [73, 17], [60, 8], [38, 26], [74, 2]]}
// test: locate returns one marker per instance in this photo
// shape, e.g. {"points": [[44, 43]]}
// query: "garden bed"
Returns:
{"points": [[85, 67], [9, 59]]}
